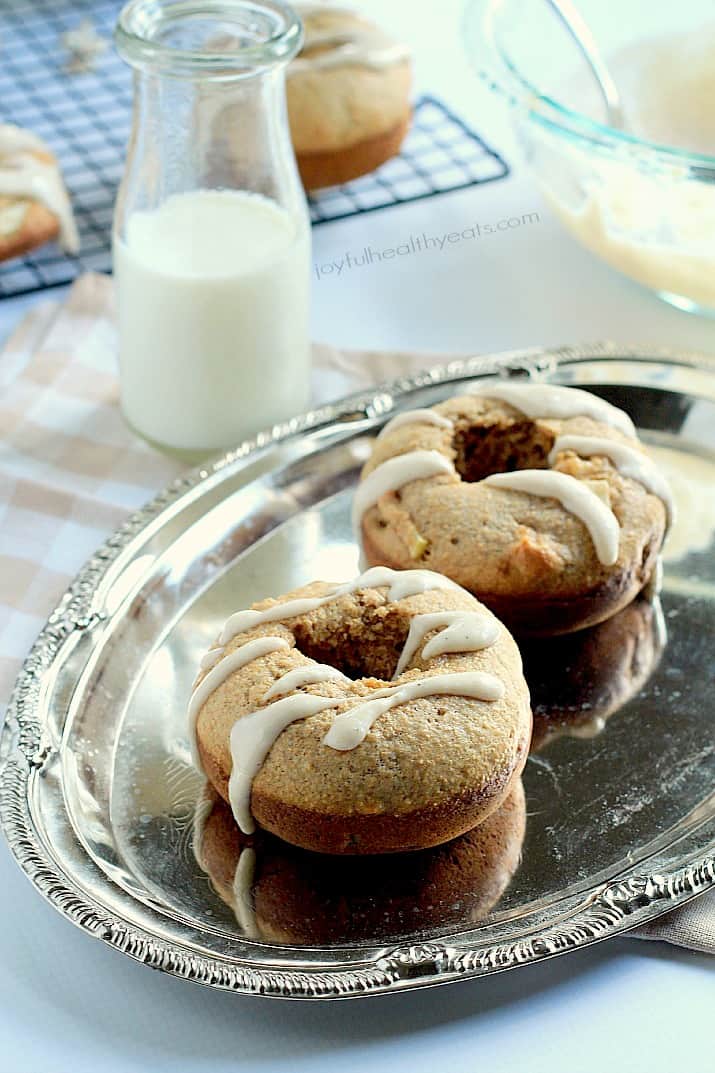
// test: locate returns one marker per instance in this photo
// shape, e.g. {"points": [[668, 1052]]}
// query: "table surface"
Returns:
{"points": [[69, 1003]]}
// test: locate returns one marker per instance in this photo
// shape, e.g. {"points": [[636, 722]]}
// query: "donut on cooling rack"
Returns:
{"points": [[34, 205], [283, 894], [538, 499], [348, 94], [386, 714]]}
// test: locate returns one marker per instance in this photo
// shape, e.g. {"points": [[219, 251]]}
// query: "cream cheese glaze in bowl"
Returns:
{"points": [[641, 198]]}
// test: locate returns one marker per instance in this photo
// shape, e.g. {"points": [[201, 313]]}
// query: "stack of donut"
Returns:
{"points": [[348, 95], [391, 713], [540, 500]]}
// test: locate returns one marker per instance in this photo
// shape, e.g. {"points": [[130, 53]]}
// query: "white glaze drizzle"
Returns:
{"points": [[585, 731], [304, 676], [243, 879], [554, 401], [459, 631], [244, 874], [575, 497], [246, 620], [253, 735], [351, 727], [661, 630], [654, 585], [218, 674], [628, 460], [251, 739], [362, 45], [405, 583], [393, 474], [211, 658], [415, 417], [18, 140], [400, 584], [202, 811], [12, 216], [23, 175]]}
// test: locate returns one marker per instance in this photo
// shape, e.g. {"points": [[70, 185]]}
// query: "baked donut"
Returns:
{"points": [[348, 94], [287, 895], [538, 499], [578, 681], [386, 714], [34, 206]]}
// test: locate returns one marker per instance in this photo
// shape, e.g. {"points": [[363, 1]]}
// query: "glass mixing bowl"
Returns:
{"points": [[641, 198]]}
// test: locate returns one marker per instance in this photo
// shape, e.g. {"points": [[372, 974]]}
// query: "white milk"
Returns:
{"points": [[213, 291]]}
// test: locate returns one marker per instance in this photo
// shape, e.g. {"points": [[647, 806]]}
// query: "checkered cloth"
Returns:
{"points": [[71, 470]]}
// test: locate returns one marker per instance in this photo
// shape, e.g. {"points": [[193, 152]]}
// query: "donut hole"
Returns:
{"points": [[485, 449], [363, 645]]}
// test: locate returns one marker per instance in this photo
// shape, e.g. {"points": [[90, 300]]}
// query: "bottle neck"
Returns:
{"points": [[197, 134], [209, 100], [207, 39]]}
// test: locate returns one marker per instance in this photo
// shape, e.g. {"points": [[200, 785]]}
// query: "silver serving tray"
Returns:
{"points": [[97, 791]]}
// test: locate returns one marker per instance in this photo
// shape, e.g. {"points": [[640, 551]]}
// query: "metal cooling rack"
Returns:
{"points": [[85, 118], [439, 154]]}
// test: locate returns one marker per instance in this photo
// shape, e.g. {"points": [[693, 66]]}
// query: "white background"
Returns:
{"points": [[67, 1003]]}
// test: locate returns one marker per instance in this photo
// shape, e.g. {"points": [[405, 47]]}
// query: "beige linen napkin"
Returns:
{"points": [[71, 470]]}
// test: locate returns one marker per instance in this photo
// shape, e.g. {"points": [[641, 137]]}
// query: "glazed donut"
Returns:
{"points": [[538, 499], [348, 95], [287, 895], [386, 714], [34, 205], [578, 681]]}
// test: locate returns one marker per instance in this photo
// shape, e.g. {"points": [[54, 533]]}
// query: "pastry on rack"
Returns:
{"points": [[34, 205], [283, 894], [539, 499], [386, 714], [348, 93]]}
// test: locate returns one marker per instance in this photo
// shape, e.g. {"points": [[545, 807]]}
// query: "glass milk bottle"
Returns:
{"points": [[211, 230]]}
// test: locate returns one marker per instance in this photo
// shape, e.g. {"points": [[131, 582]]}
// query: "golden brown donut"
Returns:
{"points": [[24, 225], [578, 681], [34, 206], [290, 895], [348, 94], [530, 558], [428, 767]]}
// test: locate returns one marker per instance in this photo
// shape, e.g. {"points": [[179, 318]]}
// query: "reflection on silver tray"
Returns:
{"points": [[98, 795], [579, 680], [283, 894]]}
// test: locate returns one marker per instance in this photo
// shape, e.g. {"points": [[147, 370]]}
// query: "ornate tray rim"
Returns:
{"points": [[24, 747]]}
